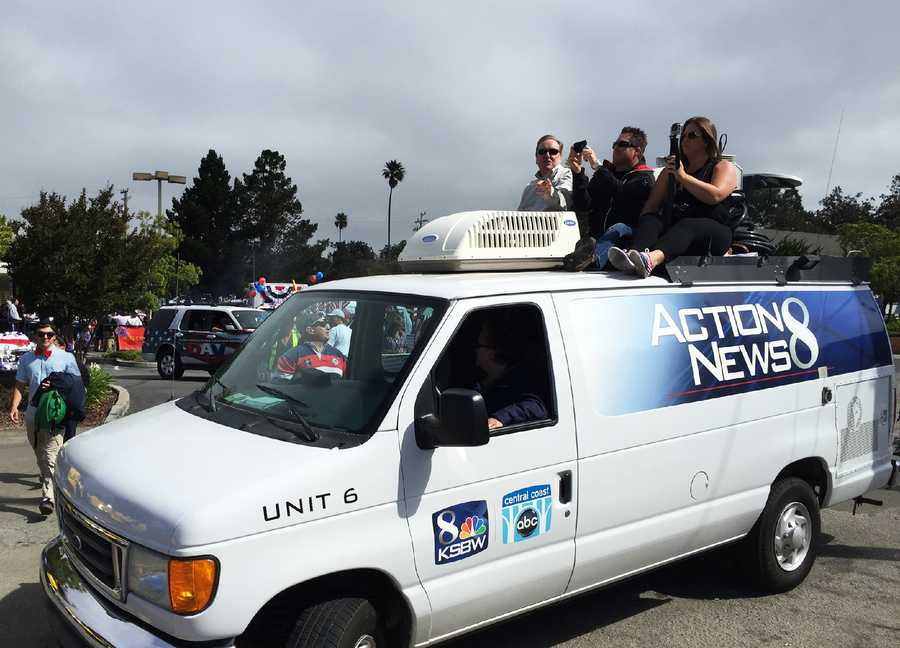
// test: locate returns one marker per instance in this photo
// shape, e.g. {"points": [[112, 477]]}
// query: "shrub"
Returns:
{"points": [[132, 356], [99, 388], [893, 325]]}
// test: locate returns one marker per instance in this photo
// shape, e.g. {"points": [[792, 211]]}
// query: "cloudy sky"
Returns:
{"points": [[458, 92]]}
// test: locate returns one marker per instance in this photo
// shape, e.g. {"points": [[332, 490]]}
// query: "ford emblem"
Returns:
{"points": [[569, 222], [429, 238]]}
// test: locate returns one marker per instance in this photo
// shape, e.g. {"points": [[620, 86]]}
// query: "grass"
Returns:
{"points": [[132, 356]]}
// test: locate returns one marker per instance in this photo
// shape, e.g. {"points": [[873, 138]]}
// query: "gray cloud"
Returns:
{"points": [[458, 93]]}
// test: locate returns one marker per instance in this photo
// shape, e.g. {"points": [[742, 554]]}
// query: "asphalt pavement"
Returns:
{"points": [[851, 597]]}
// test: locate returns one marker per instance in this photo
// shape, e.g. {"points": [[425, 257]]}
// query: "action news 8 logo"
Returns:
{"points": [[460, 531]]}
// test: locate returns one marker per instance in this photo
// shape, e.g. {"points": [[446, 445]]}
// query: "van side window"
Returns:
{"points": [[502, 353]]}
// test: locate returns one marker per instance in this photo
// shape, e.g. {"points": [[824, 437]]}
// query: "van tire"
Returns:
{"points": [[781, 547], [167, 363], [340, 623]]}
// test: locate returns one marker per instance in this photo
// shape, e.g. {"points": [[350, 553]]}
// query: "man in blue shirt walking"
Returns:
{"points": [[34, 368]]}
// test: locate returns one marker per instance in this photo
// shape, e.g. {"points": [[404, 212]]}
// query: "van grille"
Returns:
{"points": [[514, 230], [98, 552]]}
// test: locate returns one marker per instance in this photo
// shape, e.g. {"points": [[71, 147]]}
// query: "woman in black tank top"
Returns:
{"points": [[704, 181]]}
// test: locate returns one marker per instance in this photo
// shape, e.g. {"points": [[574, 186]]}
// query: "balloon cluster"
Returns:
{"points": [[316, 278]]}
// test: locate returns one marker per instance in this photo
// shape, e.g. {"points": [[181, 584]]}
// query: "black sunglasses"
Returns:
{"points": [[547, 151], [623, 144], [691, 135], [45, 334]]}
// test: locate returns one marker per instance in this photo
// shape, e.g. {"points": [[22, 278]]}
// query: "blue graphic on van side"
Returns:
{"points": [[527, 513], [671, 349], [460, 531]]}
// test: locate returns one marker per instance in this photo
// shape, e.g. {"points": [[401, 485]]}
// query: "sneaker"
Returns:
{"points": [[619, 259], [46, 506], [583, 256], [643, 266]]}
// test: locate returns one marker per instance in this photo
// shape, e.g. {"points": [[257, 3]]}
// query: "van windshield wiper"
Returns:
{"points": [[291, 400], [212, 399]]}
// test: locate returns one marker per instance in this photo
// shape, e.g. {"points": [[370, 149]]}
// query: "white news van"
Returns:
{"points": [[370, 505]]}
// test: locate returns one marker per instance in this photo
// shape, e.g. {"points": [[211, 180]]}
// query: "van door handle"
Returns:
{"points": [[565, 487]]}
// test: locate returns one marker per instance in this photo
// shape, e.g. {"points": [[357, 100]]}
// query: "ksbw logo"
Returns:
{"points": [[460, 531]]}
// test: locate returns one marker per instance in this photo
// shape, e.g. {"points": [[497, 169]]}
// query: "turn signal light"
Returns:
{"points": [[191, 584]]}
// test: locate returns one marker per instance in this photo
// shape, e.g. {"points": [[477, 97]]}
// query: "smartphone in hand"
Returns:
{"points": [[578, 147]]}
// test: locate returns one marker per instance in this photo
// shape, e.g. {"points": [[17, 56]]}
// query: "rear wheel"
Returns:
{"points": [[340, 623], [168, 363], [781, 548]]}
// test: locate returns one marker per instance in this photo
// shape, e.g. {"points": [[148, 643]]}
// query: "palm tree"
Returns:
{"points": [[340, 221], [393, 172]]}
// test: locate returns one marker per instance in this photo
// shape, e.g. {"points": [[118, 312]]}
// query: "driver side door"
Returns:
{"points": [[492, 526]]}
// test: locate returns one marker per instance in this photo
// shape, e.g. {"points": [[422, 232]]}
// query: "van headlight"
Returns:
{"points": [[184, 586]]}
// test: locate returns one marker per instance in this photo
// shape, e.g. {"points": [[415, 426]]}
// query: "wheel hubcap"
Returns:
{"points": [[167, 363], [792, 536], [366, 641]]}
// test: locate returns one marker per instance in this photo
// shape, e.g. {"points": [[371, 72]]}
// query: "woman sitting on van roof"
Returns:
{"points": [[704, 181]]}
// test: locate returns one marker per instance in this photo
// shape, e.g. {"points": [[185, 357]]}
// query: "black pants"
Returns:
{"points": [[694, 236]]}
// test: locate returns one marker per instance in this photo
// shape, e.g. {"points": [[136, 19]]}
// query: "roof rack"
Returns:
{"points": [[781, 270]]}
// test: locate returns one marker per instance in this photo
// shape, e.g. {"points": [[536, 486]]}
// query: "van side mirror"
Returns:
{"points": [[462, 423]]}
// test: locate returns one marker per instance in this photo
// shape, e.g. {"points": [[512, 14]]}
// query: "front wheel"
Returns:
{"points": [[340, 623], [168, 364], [781, 548]]}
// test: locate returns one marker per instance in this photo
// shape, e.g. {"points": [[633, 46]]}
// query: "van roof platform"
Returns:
{"points": [[691, 270]]}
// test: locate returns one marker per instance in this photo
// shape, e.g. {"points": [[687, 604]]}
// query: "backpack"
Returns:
{"points": [[51, 411]]}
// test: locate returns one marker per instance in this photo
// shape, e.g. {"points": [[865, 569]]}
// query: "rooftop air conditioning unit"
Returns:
{"points": [[492, 240]]}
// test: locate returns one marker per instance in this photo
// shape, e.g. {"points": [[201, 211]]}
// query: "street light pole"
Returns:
{"points": [[161, 176]]}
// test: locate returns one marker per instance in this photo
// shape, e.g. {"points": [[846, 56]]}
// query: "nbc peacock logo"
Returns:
{"points": [[460, 531]]}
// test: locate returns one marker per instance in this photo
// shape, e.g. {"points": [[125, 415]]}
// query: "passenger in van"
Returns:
{"points": [[705, 180], [551, 189], [503, 381], [613, 198], [313, 352]]}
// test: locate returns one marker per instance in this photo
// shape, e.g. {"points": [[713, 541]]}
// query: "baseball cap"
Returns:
{"points": [[309, 319]]}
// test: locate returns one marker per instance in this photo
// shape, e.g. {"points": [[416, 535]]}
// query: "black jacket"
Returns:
{"points": [[71, 388], [612, 197]]}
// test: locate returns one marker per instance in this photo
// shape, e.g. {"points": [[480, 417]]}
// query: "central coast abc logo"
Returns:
{"points": [[527, 522], [460, 531]]}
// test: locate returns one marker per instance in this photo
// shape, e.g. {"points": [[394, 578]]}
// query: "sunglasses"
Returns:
{"points": [[691, 135], [547, 151], [623, 144], [319, 323], [45, 334]]}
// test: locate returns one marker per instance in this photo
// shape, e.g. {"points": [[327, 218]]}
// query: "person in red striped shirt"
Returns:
{"points": [[313, 352]]}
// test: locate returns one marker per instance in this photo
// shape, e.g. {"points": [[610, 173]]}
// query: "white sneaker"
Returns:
{"points": [[619, 259], [641, 262]]}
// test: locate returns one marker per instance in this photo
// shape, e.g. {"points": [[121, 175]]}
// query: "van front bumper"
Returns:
{"points": [[83, 618]]}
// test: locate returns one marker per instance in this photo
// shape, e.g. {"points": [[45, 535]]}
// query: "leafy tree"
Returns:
{"points": [[391, 252], [888, 212], [205, 213], [340, 221], [394, 173], [780, 209], [840, 209], [6, 236], [883, 245], [793, 246], [351, 259], [81, 260], [268, 213]]}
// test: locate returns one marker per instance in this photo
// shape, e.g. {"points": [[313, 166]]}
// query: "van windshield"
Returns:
{"points": [[327, 362]]}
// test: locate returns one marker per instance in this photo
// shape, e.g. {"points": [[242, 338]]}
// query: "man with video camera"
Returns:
{"points": [[613, 197]]}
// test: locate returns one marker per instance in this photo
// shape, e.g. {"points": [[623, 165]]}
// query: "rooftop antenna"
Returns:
{"points": [[834, 153]]}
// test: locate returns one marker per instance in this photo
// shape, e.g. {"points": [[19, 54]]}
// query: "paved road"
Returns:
{"points": [[851, 598], [146, 388]]}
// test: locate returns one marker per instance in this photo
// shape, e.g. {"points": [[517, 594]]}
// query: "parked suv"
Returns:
{"points": [[196, 337]]}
